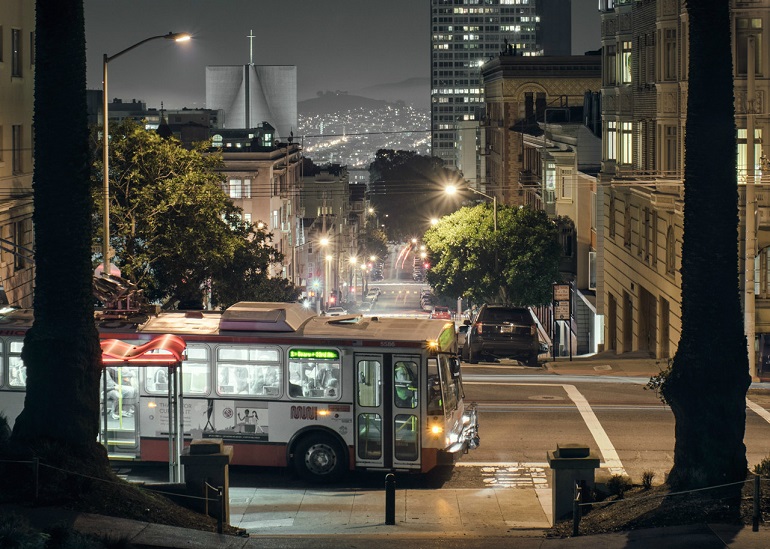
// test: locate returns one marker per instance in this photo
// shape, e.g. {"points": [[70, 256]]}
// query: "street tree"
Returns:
{"points": [[374, 242], [245, 277], [517, 264], [175, 231], [707, 384], [61, 350], [407, 190]]}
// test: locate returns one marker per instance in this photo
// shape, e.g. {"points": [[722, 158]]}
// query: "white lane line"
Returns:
{"points": [[757, 409], [611, 458], [501, 464]]}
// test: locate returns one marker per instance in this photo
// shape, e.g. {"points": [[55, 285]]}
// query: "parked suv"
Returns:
{"points": [[503, 332]]}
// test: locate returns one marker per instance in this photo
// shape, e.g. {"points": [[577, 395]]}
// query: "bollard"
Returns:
{"points": [[757, 495], [390, 498], [221, 498], [576, 511]]}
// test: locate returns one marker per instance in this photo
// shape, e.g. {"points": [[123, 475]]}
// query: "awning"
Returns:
{"points": [[172, 347]]}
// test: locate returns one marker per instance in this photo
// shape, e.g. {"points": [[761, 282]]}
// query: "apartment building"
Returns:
{"points": [[17, 79], [519, 91], [467, 33], [263, 179], [543, 151], [644, 101]]}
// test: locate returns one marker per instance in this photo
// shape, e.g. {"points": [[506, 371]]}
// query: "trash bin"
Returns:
{"points": [[570, 464], [207, 462]]}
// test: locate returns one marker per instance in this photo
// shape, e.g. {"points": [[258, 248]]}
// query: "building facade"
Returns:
{"points": [[263, 180], [644, 101], [464, 35], [251, 94], [519, 93], [17, 78]]}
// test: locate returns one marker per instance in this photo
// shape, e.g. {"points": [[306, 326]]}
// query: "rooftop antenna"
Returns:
{"points": [[251, 46]]}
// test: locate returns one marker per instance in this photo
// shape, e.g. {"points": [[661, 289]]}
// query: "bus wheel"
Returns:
{"points": [[318, 458]]}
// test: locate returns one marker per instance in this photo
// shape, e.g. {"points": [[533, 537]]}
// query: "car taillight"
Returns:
{"points": [[533, 330], [478, 327]]}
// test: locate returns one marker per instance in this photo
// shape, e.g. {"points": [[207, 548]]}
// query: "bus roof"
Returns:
{"points": [[289, 322]]}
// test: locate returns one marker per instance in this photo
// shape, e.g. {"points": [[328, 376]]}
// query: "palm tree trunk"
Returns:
{"points": [[61, 351], [709, 379]]}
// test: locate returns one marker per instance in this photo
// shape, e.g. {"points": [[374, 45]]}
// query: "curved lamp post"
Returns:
{"points": [[451, 189], [177, 37]]}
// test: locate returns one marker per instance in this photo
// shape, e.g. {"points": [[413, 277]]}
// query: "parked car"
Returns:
{"points": [[335, 311], [503, 332], [372, 296], [441, 313]]}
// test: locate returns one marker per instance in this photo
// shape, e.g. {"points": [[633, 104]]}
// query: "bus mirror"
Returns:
{"points": [[454, 365]]}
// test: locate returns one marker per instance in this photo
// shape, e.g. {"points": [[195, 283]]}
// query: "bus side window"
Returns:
{"points": [[16, 367]]}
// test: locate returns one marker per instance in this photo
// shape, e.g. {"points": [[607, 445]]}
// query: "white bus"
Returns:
{"points": [[283, 387]]}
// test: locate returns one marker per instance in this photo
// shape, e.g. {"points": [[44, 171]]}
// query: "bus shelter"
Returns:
{"points": [[166, 350]]}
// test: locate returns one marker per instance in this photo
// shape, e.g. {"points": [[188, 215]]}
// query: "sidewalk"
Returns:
{"points": [[608, 363], [428, 518]]}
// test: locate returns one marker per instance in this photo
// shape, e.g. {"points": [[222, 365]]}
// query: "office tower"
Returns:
{"points": [[251, 94], [465, 34]]}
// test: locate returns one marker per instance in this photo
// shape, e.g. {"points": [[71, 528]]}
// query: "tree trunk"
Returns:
{"points": [[709, 379], [61, 351]]}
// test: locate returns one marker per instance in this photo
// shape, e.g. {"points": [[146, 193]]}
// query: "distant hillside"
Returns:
{"points": [[331, 102], [415, 91]]}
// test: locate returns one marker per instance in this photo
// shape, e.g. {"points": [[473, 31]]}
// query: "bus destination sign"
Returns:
{"points": [[322, 354]]}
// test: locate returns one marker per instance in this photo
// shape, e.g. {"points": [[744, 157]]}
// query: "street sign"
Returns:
{"points": [[561, 292], [561, 310]]}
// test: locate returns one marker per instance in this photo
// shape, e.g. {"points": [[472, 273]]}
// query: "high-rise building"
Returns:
{"points": [[465, 34], [252, 94]]}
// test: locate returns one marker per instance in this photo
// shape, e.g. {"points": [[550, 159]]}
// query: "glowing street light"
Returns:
{"points": [[175, 36], [451, 189]]}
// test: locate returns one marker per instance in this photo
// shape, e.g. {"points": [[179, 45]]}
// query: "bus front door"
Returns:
{"points": [[387, 420]]}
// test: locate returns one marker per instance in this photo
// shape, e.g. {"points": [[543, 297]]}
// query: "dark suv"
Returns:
{"points": [[503, 332]]}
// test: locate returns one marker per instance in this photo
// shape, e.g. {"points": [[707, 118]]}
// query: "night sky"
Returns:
{"points": [[335, 44]]}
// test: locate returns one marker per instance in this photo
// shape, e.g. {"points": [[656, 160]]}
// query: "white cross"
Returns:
{"points": [[251, 46]]}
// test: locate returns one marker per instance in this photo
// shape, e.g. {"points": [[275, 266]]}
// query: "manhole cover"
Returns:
{"points": [[603, 368]]}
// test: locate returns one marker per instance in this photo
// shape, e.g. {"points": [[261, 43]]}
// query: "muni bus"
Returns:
{"points": [[280, 385]]}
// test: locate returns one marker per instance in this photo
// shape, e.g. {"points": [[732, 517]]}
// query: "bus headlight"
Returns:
{"points": [[436, 429]]}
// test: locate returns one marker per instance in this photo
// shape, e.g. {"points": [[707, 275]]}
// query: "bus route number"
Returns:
{"points": [[304, 412], [387, 343]]}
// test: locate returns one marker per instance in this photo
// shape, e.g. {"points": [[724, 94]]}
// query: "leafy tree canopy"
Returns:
{"points": [[407, 190], [173, 228], [374, 241], [515, 265]]}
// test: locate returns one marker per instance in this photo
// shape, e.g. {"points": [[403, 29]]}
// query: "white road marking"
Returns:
{"points": [[757, 409], [607, 450]]}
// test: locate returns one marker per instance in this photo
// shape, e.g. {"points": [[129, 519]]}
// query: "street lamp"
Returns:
{"points": [[324, 289], [177, 37], [451, 189]]}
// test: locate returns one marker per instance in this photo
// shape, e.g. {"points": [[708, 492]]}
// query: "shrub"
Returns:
{"points": [[618, 485], [15, 531], [763, 468], [647, 478]]}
